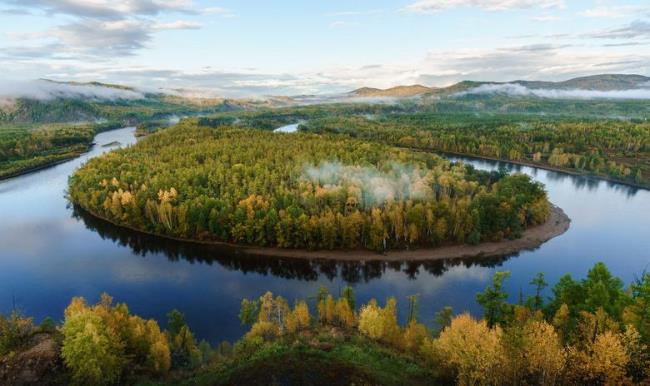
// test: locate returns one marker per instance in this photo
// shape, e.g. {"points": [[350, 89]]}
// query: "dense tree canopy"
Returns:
{"points": [[35, 133], [582, 142], [302, 191], [588, 336], [23, 147], [613, 148]]}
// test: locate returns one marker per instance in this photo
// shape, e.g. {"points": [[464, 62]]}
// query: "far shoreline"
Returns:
{"points": [[557, 224], [547, 167]]}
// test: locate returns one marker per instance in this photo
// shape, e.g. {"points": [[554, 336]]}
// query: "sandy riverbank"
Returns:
{"points": [[557, 224]]}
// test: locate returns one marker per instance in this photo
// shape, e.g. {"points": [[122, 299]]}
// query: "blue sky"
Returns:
{"points": [[240, 48]]}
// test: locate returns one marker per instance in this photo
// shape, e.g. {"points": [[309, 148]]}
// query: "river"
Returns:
{"points": [[49, 253]]}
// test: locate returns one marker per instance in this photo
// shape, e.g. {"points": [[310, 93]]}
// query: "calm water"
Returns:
{"points": [[49, 253]]}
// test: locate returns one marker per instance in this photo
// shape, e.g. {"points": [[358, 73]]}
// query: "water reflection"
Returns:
{"points": [[238, 259], [50, 253], [579, 182]]}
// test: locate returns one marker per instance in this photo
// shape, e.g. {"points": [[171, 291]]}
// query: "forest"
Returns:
{"points": [[25, 147], [618, 149], [309, 191], [589, 331], [36, 133]]}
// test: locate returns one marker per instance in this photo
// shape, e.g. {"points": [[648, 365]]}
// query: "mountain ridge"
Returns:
{"points": [[600, 82]]}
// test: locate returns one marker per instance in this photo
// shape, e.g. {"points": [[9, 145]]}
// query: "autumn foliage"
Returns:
{"points": [[532, 343], [302, 191]]}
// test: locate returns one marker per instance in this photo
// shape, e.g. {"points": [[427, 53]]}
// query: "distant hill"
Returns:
{"points": [[399, 91], [95, 84], [49, 101], [603, 82]]}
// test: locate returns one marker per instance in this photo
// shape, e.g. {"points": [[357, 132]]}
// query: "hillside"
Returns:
{"points": [[44, 122], [399, 91], [603, 82]]}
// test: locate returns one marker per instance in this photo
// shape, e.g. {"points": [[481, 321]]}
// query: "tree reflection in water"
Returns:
{"points": [[239, 259]]}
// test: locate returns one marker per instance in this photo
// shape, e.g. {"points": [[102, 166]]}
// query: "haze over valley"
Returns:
{"points": [[407, 192]]}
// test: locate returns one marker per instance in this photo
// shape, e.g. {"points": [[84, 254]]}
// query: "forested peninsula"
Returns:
{"points": [[568, 136], [307, 191]]}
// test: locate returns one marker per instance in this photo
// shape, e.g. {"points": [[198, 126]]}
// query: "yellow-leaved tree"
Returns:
{"points": [[101, 342], [469, 350]]}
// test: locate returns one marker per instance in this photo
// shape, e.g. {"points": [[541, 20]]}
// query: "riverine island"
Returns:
{"points": [[313, 195]]}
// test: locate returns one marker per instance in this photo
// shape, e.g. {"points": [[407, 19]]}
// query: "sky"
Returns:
{"points": [[282, 47]]}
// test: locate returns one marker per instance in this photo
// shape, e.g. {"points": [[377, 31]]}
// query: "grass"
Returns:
{"points": [[324, 359]]}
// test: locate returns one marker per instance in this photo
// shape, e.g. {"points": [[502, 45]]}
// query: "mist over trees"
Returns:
{"points": [[302, 191]]}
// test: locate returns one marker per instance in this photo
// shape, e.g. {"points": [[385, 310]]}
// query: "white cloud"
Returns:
{"points": [[98, 28], [341, 23], [437, 68], [177, 25], [434, 6], [43, 90], [608, 11], [105, 9], [89, 38], [541, 61], [103, 38], [636, 29], [546, 18], [519, 90], [355, 13], [217, 11]]}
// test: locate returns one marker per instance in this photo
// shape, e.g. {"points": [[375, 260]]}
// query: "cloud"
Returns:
{"points": [[15, 12], [213, 83], [341, 23], [546, 18], [434, 6], [636, 29], [105, 9], [626, 44], [372, 186], [525, 62], [177, 25], [217, 11], [355, 13], [99, 28], [87, 38], [513, 89], [107, 38], [53, 51], [437, 68], [612, 12], [44, 90]]}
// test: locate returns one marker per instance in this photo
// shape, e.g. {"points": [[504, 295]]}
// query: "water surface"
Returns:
{"points": [[49, 253]]}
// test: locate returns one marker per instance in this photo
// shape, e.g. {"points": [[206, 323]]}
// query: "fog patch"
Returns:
{"points": [[371, 185], [349, 98], [292, 128], [517, 90], [47, 90]]}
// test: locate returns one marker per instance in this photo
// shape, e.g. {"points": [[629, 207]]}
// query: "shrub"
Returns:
{"points": [[14, 331]]}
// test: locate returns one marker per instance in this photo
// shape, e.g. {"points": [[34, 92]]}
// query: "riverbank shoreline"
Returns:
{"points": [[557, 224], [65, 159], [42, 166], [538, 166]]}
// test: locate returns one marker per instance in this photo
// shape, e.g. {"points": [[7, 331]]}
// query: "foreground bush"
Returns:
{"points": [[104, 344]]}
